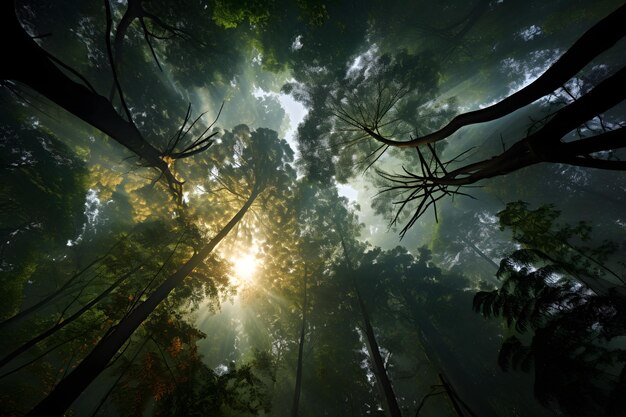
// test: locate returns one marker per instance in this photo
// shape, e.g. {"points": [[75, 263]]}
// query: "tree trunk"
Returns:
{"points": [[298, 388], [379, 365], [438, 352], [66, 392], [480, 253], [31, 65], [391, 402], [32, 342]]}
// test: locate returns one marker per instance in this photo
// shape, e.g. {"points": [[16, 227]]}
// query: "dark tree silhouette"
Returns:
{"points": [[436, 178], [260, 163], [33, 66], [380, 370], [298, 385], [596, 40], [573, 326]]}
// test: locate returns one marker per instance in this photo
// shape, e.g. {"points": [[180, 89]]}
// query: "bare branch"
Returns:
{"points": [[107, 7]]}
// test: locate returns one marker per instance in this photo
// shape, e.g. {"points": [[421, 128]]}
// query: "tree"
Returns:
{"points": [[168, 370], [42, 72], [127, 300], [298, 385], [35, 166], [436, 177], [340, 380], [409, 292], [379, 368], [262, 164], [563, 244], [551, 289]]}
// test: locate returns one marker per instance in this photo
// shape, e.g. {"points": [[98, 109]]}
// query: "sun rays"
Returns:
{"points": [[245, 268]]}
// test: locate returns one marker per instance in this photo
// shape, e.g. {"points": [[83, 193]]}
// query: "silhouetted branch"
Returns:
{"points": [[596, 40], [109, 22], [72, 70], [200, 144], [435, 180], [432, 393], [147, 35]]}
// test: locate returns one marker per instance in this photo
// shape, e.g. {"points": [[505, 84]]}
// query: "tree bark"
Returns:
{"points": [[391, 402], [32, 342], [32, 66], [66, 392], [298, 387], [592, 43], [379, 364], [438, 352]]}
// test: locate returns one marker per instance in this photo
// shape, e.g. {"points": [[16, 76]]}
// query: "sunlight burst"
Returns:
{"points": [[245, 268]]}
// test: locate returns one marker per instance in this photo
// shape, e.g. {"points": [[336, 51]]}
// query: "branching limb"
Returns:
{"points": [[109, 22], [201, 143], [595, 41]]}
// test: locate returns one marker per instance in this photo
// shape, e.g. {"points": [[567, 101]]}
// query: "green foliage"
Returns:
{"points": [[574, 328], [392, 66], [229, 14], [569, 246], [170, 373], [35, 167]]}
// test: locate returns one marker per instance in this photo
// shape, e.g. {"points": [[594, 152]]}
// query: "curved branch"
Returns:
{"points": [[146, 35], [613, 139], [596, 40], [545, 145], [29, 64]]}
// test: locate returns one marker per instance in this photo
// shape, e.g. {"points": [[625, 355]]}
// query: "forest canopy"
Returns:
{"points": [[279, 208]]}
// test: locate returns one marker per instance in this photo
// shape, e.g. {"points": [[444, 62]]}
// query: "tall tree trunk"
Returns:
{"points": [[379, 364], [439, 354], [298, 387], [32, 342], [380, 371], [66, 392], [592, 43], [34, 67], [16, 318], [480, 253]]}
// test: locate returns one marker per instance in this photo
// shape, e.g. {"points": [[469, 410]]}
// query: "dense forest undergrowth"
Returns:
{"points": [[313, 208]]}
